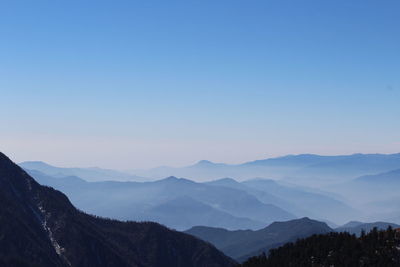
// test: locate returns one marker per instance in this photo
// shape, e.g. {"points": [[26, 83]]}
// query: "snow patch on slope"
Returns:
{"points": [[59, 250]]}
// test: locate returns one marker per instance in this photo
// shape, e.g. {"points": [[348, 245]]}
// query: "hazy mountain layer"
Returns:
{"points": [[184, 212], [236, 209], [88, 174], [377, 195], [306, 203]]}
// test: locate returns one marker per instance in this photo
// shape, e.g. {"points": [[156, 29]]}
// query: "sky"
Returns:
{"points": [[138, 84]]}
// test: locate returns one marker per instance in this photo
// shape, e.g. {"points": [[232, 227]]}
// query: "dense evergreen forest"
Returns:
{"points": [[377, 248]]}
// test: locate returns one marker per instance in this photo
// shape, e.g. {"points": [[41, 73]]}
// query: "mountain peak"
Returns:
{"points": [[298, 222], [205, 162], [173, 179]]}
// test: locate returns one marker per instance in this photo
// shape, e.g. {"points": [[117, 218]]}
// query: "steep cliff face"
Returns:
{"points": [[40, 227]]}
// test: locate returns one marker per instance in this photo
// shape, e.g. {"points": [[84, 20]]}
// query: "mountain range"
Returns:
{"points": [[40, 227], [247, 205], [44, 228], [370, 197], [301, 169], [161, 201]]}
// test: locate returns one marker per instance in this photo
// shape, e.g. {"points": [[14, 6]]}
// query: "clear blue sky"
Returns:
{"points": [[130, 84]]}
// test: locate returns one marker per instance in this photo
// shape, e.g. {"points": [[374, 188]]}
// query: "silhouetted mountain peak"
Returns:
{"points": [[301, 221], [204, 162], [173, 179]]}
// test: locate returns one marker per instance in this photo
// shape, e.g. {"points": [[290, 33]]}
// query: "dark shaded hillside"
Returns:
{"points": [[243, 244], [39, 226], [378, 248]]}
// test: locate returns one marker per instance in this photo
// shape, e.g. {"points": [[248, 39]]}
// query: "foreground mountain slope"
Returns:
{"points": [[242, 244], [335, 249], [40, 227]]}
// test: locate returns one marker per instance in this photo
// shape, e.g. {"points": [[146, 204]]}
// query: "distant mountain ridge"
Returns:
{"points": [[40, 227], [290, 166], [300, 166], [93, 174]]}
